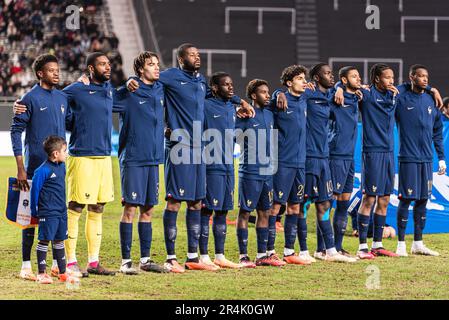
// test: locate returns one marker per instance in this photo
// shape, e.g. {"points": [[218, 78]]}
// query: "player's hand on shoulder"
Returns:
{"points": [[84, 79], [311, 86], [359, 94], [281, 101], [132, 85], [438, 99], [394, 90], [245, 110], [339, 97], [19, 108]]}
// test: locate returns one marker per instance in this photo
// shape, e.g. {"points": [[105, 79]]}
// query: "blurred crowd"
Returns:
{"points": [[32, 27]]}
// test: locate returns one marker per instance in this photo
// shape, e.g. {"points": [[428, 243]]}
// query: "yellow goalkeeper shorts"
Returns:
{"points": [[89, 180]]}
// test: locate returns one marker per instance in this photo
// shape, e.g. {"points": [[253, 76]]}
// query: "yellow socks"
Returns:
{"points": [[72, 227], [94, 229]]}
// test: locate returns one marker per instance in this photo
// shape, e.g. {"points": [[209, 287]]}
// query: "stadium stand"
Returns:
{"points": [[29, 28]]}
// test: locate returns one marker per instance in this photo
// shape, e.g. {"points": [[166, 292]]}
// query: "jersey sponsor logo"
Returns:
{"points": [[53, 175], [256, 125], [142, 102], [42, 109], [289, 112], [408, 108], [217, 116], [319, 102], [379, 100], [183, 83], [92, 92], [42, 262], [346, 105]]}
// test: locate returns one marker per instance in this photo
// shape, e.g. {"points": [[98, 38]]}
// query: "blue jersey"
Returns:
{"points": [[91, 107], [141, 138], [419, 124], [253, 159], [47, 194], [45, 116], [343, 127], [220, 115], [291, 125], [318, 113]]}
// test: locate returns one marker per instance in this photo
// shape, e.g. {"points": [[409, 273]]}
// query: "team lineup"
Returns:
{"points": [[297, 149]]}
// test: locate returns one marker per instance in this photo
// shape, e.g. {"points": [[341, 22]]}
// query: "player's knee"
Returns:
{"points": [[97, 208], [173, 205], [292, 208], [382, 203], [194, 205], [75, 206], [128, 213], [368, 202]]}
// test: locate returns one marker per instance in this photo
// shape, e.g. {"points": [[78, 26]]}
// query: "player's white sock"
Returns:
{"points": [[242, 256], [219, 256], [304, 253], [363, 246], [377, 245], [331, 251], [92, 259], [26, 264], [401, 244], [192, 255], [171, 256], [288, 252], [125, 261], [261, 255], [144, 259], [270, 252], [55, 263], [418, 244], [205, 257], [71, 261]]}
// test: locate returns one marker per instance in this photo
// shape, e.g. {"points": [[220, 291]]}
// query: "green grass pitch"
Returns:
{"points": [[402, 278]]}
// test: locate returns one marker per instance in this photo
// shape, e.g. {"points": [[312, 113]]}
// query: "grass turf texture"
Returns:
{"points": [[414, 277]]}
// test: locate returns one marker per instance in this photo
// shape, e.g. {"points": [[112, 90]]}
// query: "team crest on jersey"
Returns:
{"points": [[87, 195], [374, 188], [429, 109], [215, 202], [134, 195], [281, 194], [315, 189], [62, 108], [248, 203], [409, 191], [338, 185], [181, 192]]}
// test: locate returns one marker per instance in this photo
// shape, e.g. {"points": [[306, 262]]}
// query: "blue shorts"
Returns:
{"points": [[255, 194], [288, 185], [415, 180], [378, 173], [318, 180], [184, 182], [53, 228], [140, 185], [219, 192], [342, 172]]}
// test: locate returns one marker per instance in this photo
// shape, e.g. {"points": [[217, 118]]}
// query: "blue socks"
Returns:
{"points": [[379, 224], [219, 230], [340, 222], [262, 239], [204, 234], [290, 229], [402, 218], [242, 238], [27, 243], [419, 217], [363, 224], [126, 238], [193, 224], [145, 230], [170, 231], [326, 230], [271, 232], [302, 233]]}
